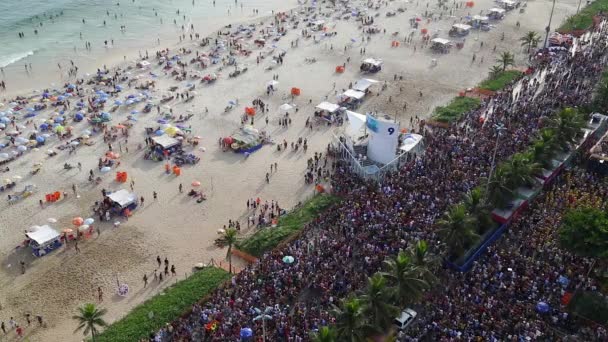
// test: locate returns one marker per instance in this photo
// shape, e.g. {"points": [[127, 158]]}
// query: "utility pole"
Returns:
{"points": [[264, 316], [499, 129], [548, 28]]}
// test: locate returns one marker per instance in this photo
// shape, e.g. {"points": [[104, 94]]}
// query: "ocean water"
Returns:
{"points": [[62, 33]]}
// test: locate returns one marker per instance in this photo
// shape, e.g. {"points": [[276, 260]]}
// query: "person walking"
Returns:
{"points": [[173, 273], [158, 260], [99, 294], [180, 188], [22, 266], [145, 280], [3, 327], [154, 195]]}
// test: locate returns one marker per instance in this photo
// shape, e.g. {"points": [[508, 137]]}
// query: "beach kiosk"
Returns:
{"points": [[459, 30], [43, 239], [507, 4], [162, 147], [480, 22], [327, 111], [364, 84], [371, 65], [441, 45], [246, 140], [496, 13], [351, 98], [121, 201]]}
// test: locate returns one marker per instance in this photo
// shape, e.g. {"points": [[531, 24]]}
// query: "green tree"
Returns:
{"points": [[377, 307], [457, 229], [506, 59], [426, 264], [405, 279], [349, 320], [499, 191], [476, 205], [584, 231], [600, 98], [544, 148], [521, 170], [568, 125], [230, 239], [325, 334], [90, 319], [495, 71], [531, 39]]}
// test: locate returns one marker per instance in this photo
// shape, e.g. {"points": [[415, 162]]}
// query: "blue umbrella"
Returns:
{"points": [[159, 132], [118, 87], [161, 121], [542, 307], [134, 112], [61, 98], [71, 86], [58, 119], [31, 109], [118, 102], [40, 139], [246, 332], [78, 117]]}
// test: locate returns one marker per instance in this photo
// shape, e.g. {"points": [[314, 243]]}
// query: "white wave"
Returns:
{"points": [[14, 57]]}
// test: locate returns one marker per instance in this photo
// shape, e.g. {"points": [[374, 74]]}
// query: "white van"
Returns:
{"points": [[406, 318]]}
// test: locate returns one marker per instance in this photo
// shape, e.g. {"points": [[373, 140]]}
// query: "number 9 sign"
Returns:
{"points": [[391, 130]]}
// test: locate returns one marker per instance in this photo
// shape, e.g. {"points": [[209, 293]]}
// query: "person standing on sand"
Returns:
{"points": [[22, 267], [99, 294], [3, 328], [158, 260], [145, 280], [180, 188], [154, 195]]}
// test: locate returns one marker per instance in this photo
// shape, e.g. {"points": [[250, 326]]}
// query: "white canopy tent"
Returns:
{"points": [[165, 141], [355, 94], [363, 84], [462, 27], [356, 122], [286, 107], [373, 61], [328, 107], [440, 41], [123, 198], [411, 142], [497, 10], [272, 83], [480, 18], [43, 235]]}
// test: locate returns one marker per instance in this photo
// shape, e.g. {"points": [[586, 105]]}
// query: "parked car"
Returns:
{"points": [[406, 318]]}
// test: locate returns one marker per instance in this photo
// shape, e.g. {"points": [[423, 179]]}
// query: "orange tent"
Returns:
{"points": [[295, 91], [250, 111], [339, 69]]}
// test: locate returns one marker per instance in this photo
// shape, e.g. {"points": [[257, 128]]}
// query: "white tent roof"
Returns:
{"points": [[480, 18], [356, 94], [123, 197], [410, 141], [372, 61], [463, 27], [441, 41], [43, 234], [165, 141], [355, 122], [318, 22], [363, 84], [330, 107], [497, 10], [272, 83], [144, 63]]}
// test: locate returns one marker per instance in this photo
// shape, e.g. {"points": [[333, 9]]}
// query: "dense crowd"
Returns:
{"points": [[340, 249]]}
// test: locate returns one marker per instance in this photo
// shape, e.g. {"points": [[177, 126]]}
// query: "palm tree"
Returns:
{"points": [[495, 71], [457, 229], [405, 278], [425, 263], [499, 191], [230, 239], [325, 334], [530, 39], [543, 148], [377, 307], [521, 170], [506, 59], [349, 320], [477, 206], [90, 318], [567, 125]]}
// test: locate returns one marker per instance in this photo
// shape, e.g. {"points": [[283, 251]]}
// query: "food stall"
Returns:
{"points": [[327, 111], [351, 98], [441, 45], [364, 84], [507, 4], [43, 239], [371, 65], [121, 201], [459, 30], [246, 140], [162, 147], [496, 13]]}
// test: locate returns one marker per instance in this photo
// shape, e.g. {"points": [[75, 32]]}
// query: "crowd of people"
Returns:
{"points": [[341, 248]]}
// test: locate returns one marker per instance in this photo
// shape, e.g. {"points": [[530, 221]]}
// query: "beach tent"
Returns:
{"points": [[507, 4], [354, 94], [165, 141], [440, 44], [285, 107], [496, 13], [371, 65], [43, 239], [460, 30], [123, 199], [328, 107], [363, 84]]}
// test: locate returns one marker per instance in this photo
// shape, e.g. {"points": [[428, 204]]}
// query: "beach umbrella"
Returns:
{"points": [[112, 155], [196, 183], [5, 120], [74, 143], [134, 111], [86, 132], [78, 117], [83, 228], [105, 169], [22, 148], [67, 231], [40, 139], [118, 102], [89, 221], [288, 259], [159, 132], [77, 221], [59, 129], [542, 307], [118, 87], [3, 155], [52, 220], [246, 332], [71, 86]]}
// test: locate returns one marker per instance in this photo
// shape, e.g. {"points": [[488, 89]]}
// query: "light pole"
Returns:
{"points": [[499, 129], [264, 316], [548, 28]]}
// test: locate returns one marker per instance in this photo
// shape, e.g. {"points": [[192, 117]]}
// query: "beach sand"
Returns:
{"points": [[177, 227]]}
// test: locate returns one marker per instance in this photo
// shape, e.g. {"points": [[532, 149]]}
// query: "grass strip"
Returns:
{"points": [[166, 306], [501, 80], [268, 238], [454, 110], [584, 19]]}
